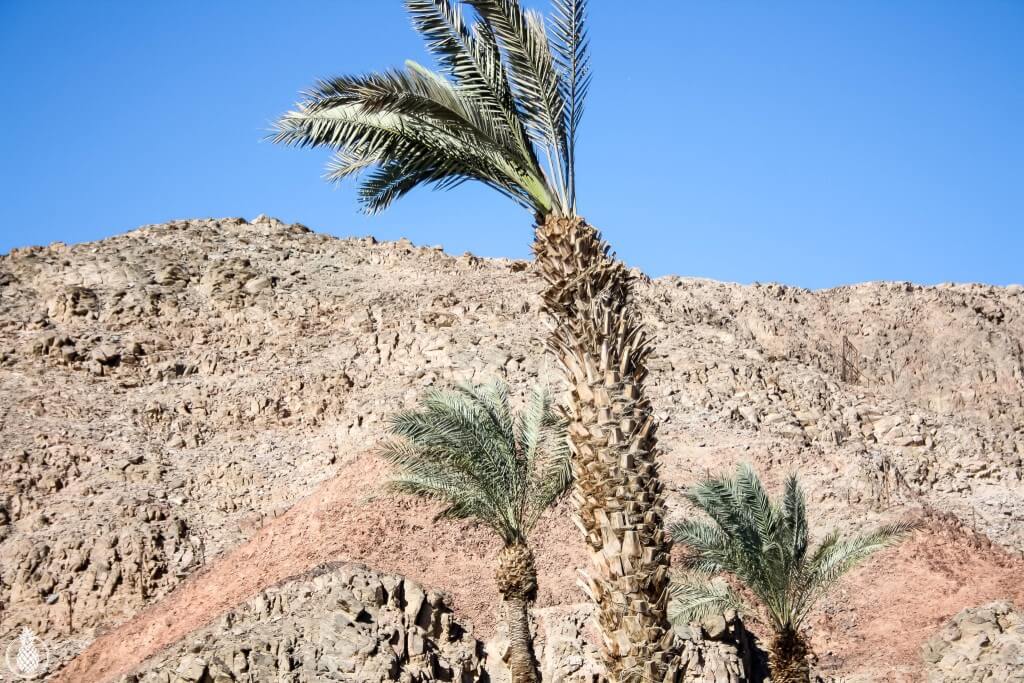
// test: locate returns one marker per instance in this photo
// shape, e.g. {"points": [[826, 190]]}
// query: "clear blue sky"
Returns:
{"points": [[813, 143]]}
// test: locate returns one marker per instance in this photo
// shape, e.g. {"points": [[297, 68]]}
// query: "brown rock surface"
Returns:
{"points": [[981, 644], [335, 623], [170, 393]]}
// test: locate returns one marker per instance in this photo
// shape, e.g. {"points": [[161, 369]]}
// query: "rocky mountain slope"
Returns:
{"points": [[189, 412]]}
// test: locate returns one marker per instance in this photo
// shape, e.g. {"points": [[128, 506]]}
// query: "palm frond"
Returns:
{"points": [[503, 111], [836, 556], [764, 545], [695, 595], [463, 448], [535, 80], [460, 495], [415, 92], [720, 500], [393, 180], [571, 45], [545, 450], [710, 547], [765, 523], [477, 70], [408, 120], [454, 424], [795, 531], [494, 400]]}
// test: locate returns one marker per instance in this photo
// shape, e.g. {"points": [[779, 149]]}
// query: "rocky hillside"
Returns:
{"points": [[210, 391]]}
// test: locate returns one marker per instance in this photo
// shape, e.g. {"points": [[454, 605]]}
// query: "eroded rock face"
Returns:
{"points": [[979, 645], [59, 585], [719, 650], [338, 623], [914, 421]]}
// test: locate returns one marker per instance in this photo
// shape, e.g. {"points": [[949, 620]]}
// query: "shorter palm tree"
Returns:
{"points": [[468, 450], [764, 546]]}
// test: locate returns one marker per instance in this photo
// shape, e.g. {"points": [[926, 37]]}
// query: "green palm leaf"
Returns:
{"points": [[503, 111], [764, 546], [696, 595], [468, 450], [571, 47]]}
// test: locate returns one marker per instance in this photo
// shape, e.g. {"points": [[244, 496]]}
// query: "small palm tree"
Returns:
{"points": [[468, 450], [504, 109], [765, 547]]}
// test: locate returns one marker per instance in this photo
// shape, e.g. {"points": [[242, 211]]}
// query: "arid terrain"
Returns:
{"points": [[189, 491]]}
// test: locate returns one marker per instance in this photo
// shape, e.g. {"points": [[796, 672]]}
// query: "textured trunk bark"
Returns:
{"points": [[521, 661], [787, 658], [602, 348], [517, 582]]}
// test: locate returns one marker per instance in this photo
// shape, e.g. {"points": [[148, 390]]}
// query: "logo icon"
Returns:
{"points": [[27, 656]]}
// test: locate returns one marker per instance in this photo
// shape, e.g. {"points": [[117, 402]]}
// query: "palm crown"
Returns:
{"points": [[468, 449], [503, 110], [765, 546]]}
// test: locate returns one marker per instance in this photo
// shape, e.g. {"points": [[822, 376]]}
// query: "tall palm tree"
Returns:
{"points": [[470, 451], [764, 545], [504, 109]]}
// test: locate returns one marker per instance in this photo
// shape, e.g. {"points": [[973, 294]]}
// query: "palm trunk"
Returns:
{"points": [[617, 493], [787, 658], [521, 661], [517, 582]]}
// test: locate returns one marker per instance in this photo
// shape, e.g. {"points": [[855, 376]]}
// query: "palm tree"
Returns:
{"points": [[504, 110], [468, 450], [764, 546]]}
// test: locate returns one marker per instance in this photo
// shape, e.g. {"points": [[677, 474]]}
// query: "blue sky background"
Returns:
{"points": [[813, 143]]}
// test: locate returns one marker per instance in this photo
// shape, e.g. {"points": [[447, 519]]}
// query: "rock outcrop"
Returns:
{"points": [[979, 645], [338, 623]]}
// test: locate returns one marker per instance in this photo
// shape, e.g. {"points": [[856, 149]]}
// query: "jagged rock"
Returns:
{"points": [[191, 669], [341, 622], [978, 645], [71, 302]]}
